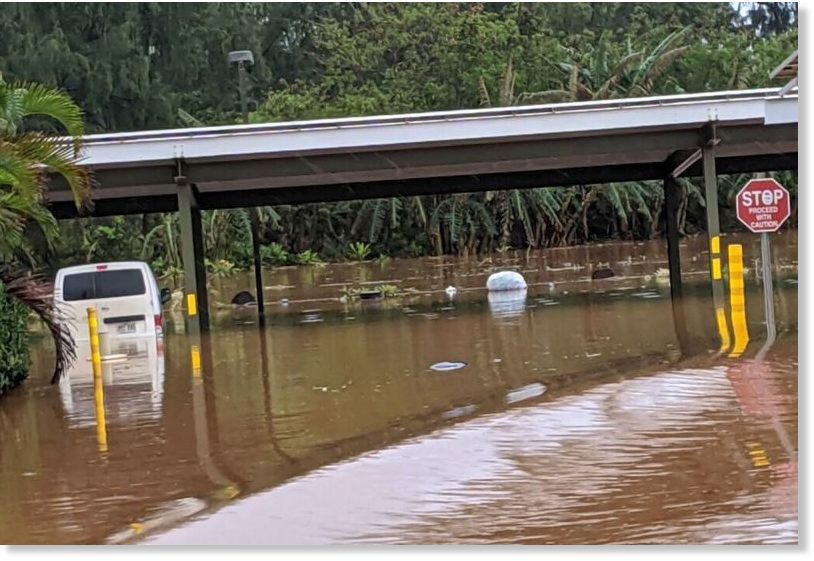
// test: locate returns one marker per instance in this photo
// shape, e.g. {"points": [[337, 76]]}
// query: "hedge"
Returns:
{"points": [[14, 357]]}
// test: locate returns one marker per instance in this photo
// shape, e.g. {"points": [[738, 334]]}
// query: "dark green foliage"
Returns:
{"points": [[147, 65], [133, 65], [14, 359]]}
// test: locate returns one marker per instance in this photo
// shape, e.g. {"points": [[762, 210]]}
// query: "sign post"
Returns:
{"points": [[768, 288], [763, 206]]}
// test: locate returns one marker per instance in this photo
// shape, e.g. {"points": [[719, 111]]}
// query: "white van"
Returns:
{"points": [[125, 295]]}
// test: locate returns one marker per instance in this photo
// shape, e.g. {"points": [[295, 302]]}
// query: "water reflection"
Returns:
{"points": [[643, 460], [507, 304], [133, 378]]}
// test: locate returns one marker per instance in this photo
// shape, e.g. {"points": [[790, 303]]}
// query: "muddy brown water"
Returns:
{"points": [[583, 414]]}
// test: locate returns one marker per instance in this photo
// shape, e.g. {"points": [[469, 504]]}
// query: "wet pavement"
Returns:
{"points": [[581, 412]]}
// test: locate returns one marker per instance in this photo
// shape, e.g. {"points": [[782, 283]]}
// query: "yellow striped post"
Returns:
{"points": [[98, 386], [737, 300], [718, 298]]}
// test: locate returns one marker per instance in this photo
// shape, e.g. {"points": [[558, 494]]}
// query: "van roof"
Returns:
{"points": [[110, 265]]}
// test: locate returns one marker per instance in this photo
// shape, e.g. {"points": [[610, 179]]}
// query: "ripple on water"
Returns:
{"points": [[631, 462]]}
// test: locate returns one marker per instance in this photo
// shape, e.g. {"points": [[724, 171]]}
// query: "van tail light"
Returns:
{"points": [[159, 322]]}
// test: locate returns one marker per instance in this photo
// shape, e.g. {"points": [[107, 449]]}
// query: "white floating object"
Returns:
{"points": [[506, 280], [459, 412], [526, 392], [447, 366]]}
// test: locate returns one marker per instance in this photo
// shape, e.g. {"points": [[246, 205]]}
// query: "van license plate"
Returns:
{"points": [[129, 327]]}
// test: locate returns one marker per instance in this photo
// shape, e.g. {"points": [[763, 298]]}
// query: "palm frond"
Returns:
{"points": [[377, 219], [17, 172], [661, 64], [38, 295], [38, 99], [618, 74], [42, 149], [666, 44]]}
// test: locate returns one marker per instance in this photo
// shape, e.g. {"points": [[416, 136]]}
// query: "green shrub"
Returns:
{"points": [[308, 257], [358, 251], [14, 358], [221, 268], [274, 254]]}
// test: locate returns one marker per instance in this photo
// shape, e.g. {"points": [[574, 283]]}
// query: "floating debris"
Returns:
{"points": [[459, 412], [447, 366], [526, 392], [506, 280], [311, 318], [603, 273]]}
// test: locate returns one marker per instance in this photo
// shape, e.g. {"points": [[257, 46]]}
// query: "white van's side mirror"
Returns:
{"points": [[166, 295]]}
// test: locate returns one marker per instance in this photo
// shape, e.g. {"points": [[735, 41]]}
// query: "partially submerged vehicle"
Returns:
{"points": [[125, 295]]}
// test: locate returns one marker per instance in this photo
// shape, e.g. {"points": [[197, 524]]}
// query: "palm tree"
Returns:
{"points": [[379, 215], [25, 158], [467, 221], [603, 74]]}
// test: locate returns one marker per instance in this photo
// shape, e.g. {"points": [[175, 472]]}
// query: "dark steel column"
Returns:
{"points": [[671, 196], [714, 234], [671, 199], [258, 267], [196, 303]]}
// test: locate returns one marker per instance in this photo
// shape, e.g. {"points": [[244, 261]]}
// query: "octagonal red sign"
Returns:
{"points": [[763, 205]]}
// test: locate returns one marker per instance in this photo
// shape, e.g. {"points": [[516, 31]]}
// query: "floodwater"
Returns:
{"points": [[579, 412]]}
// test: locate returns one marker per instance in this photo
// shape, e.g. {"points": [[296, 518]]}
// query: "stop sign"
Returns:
{"points": [[763, 205]]}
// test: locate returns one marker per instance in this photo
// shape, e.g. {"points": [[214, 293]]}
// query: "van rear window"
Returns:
{"points": [[103, 284]]}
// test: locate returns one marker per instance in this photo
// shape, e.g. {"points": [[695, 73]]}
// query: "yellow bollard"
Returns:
{"points": [[98, 386], [737, 300]]}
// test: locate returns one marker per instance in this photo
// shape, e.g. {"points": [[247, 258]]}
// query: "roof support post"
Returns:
{"points": [[672, 192], [196, 302], [258, 267], [714, 234], [671, 199]]}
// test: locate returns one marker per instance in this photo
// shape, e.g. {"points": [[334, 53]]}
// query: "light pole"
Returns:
{"points": [[243, 59]]}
